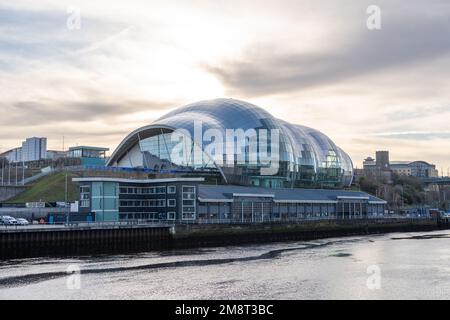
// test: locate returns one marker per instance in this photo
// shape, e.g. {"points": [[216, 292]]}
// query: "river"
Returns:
{"points": [[390, 266]]}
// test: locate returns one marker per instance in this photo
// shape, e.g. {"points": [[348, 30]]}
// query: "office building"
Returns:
{"points": [[90, 156], [188, 199], [34, 149], [418, 169]]}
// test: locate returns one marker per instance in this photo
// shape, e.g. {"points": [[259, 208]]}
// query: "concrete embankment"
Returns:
{"points": [[187, 236], [28, 242], [8, 192]]}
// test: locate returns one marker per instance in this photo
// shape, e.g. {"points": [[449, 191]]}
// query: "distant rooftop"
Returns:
{"points": [[408, 162], [88, 148]]}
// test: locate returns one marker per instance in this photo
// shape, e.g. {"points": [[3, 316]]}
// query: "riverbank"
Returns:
{"points": [[77, 241], [192, 236]]}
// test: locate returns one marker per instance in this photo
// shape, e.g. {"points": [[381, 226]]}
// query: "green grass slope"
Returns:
{"points": [[50, 189]]}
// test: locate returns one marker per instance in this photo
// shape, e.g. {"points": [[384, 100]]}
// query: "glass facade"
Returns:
{"points": [[306, 156], [105, 201]]}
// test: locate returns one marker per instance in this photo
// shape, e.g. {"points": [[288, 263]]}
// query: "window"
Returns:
{"points": [[85, 196], [125, 203], [145, 190], [85, 203], [188, 208], [188, 189], [160, 190], [160, 203], [189, 203], [172, 203], [171, 215], [123, 190], [172, 190]]}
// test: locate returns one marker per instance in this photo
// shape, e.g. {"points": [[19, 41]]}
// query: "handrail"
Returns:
{"points": [[171, 223]]}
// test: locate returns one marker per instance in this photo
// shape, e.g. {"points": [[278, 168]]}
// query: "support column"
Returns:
{"points": [[262, 211], [354, 210], [349, 211], [253, 212]]}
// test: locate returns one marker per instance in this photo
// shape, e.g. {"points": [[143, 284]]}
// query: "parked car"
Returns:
{"points": [[7, 220], [22, 222]]}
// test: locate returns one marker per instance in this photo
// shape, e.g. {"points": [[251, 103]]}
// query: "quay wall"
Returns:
{"points": [[78, 242], [187, 236], [66, 241]]}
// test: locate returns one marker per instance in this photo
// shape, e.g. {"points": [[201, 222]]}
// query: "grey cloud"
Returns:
{"points": [[414, 135], [419, 112], [43, 35], [89, 123], [418, 33], [57, 112]]}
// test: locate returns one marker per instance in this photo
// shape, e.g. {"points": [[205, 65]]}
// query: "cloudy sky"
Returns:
{"points": [[312, 62]]}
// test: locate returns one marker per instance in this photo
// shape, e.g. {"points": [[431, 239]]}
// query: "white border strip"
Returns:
{"points": [[169, 180], [307, 201], [256, 195], [215, 200], [352, 198]]}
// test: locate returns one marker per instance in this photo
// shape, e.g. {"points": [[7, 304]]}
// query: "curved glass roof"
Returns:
{"points": [[306, 155]]}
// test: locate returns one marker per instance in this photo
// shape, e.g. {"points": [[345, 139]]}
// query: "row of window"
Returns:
{"points": [[148, 216], [148, 190], [159, 203], [304, 208]]}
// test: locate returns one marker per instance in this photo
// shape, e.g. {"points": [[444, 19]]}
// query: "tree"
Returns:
{"points": [[369, 185]]}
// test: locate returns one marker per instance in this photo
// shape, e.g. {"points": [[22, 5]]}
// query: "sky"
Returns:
{"points": [[93, 71]]}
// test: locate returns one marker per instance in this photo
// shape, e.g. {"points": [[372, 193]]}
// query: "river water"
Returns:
{"points": [[391, 266]]}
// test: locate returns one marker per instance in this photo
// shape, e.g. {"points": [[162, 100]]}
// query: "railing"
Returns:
{"points": [[169, 223], [82, 225], [298, 220], [38, 176]]}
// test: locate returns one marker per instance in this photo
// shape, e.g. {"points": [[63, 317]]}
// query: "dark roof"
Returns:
{"points": [[225, 192]]}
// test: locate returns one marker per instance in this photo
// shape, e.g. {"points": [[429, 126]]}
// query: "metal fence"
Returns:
{"points": [[82, 225], [169, 223]]}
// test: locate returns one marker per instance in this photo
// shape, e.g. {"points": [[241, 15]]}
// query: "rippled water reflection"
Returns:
{"points": [[412, 266]]}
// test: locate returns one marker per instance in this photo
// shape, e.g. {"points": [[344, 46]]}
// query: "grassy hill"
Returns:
{"points": [[50, 189]]}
